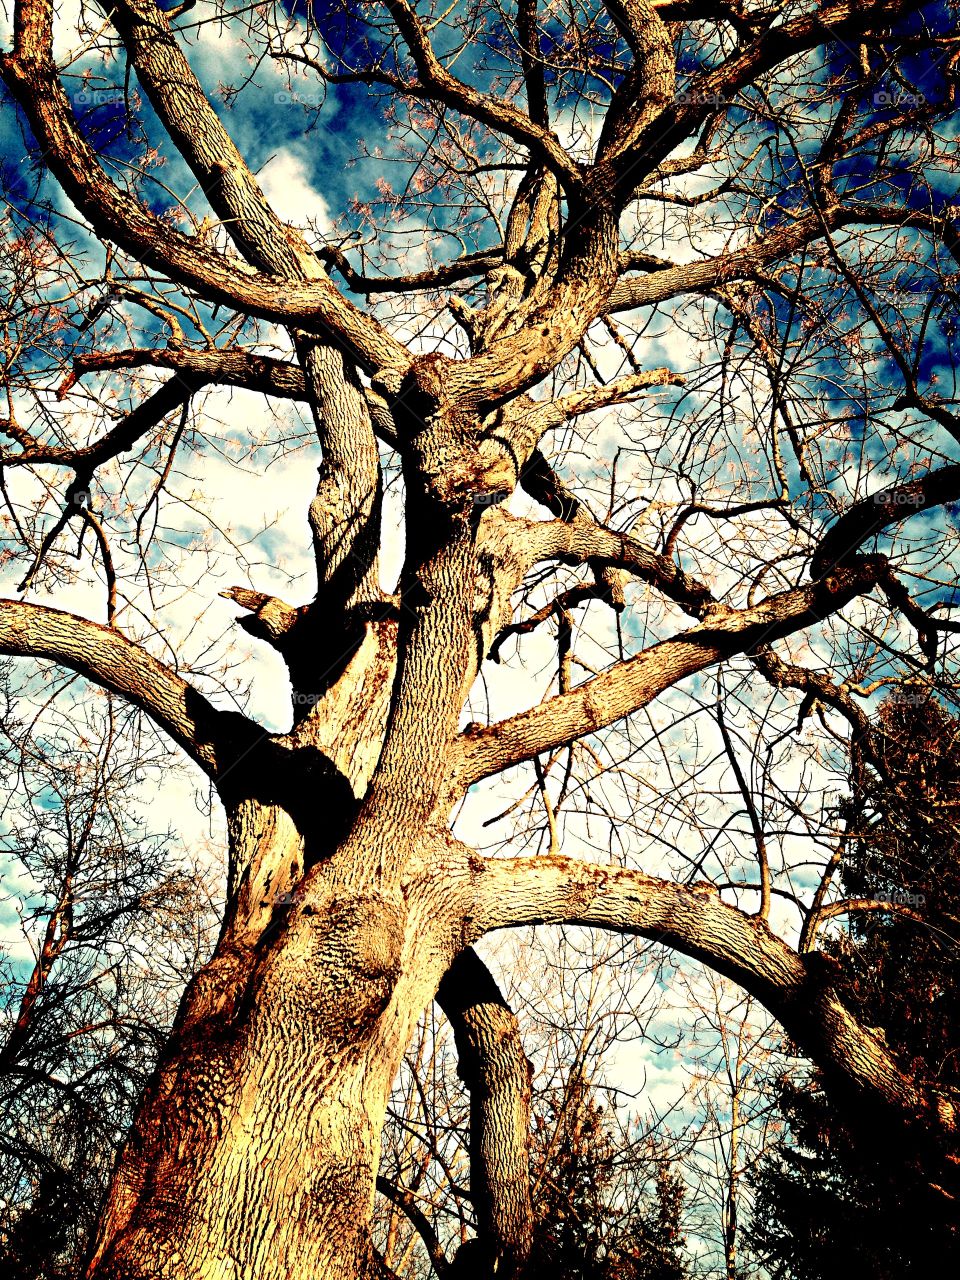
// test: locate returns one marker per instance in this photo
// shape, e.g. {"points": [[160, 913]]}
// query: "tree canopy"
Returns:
{"points": [[565, 396]]}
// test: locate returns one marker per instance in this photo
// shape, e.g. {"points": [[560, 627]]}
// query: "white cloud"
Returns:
{"points": [[285, 182]]}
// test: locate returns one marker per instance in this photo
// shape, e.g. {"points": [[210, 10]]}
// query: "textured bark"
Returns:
{"points": [[254, 1153], [255, 1148], [798, 990], [614, 694], [213, 738], [495, 1069]]}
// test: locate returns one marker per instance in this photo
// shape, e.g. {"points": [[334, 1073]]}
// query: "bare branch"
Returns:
{"points": [[407, 1202], [214, 739], [889, 506], [31, 75], [632, 684], [799, 991], [436, 82]]}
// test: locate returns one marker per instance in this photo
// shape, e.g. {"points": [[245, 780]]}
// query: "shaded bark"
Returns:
{"points": [[496, 1071]]}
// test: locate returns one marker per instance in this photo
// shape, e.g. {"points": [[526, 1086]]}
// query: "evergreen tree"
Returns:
{"points": [[834, 1198], [595, 1219]]}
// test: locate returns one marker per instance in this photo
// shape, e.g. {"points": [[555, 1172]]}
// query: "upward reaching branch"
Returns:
{"points": [[632, 684], [31, 75]]}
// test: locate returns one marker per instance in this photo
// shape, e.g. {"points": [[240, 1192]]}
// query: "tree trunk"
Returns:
{"points": [[257, 1144]]}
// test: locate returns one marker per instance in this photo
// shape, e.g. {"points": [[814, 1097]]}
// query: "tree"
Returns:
{"points": [[833, 1196], [584, 1230], [112, 926], [518, 276]]}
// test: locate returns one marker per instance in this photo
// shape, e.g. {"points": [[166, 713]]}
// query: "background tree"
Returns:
{"points": [[111, 926], [741, 215], [584, 1229], [833, 1196]]}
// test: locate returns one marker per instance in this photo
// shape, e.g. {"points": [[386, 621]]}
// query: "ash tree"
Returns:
{"points": [[645, 310]]}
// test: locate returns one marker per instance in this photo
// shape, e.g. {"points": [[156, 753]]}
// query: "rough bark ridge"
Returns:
{"points": [[255, 1150]]}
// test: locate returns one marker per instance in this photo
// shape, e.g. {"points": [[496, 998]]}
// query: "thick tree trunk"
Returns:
{"points": [[257, 1144]]}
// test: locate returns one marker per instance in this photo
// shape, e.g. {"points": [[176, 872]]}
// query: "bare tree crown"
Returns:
{"points": [[642, 309]]}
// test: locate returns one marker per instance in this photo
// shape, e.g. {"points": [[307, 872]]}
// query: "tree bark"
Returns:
{"points": [[256, 1146], [495, 1069]]}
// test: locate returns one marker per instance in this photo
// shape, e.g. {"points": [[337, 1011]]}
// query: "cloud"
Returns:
{"points": [[292, 195]]}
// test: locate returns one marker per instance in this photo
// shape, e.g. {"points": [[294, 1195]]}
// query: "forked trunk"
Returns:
{"points": [[256, 1147]]}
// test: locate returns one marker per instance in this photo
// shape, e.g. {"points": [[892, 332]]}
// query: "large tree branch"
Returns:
{"points": [[736, 264], [495, 1069], [668, 128], [606, 552], [799, 991], [867, 518], [470, 265], [31, 75], [84, 459], [437, 83], [214, 739], [650, 83], [665, 281], [590, 399], [532, 62], [199, 135], [345, 514], [630, 685], [231, 367]]}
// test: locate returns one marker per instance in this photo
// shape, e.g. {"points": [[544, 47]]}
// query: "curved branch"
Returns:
{"points": [[665, 129], [438, 84], [85, 459], [891, 505], [31, 75], [496, 1071], [470, 265], [632, 684], [799, 991], [589, 399], [214, 739], [230, 367], [670, 281]]}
